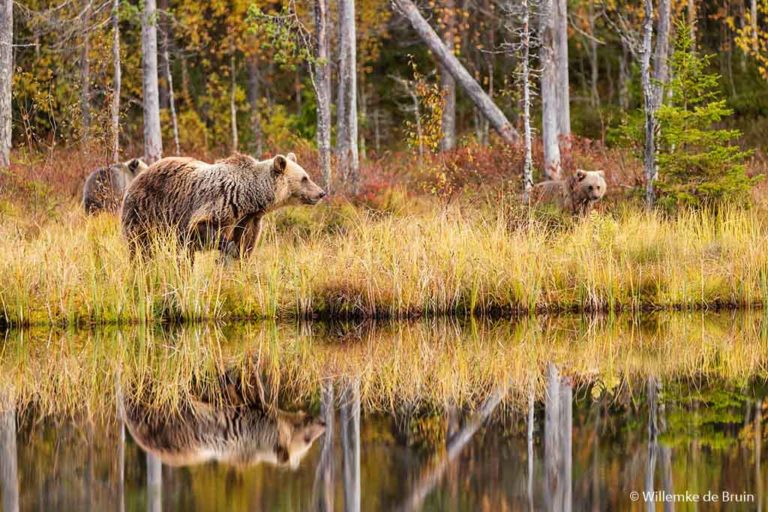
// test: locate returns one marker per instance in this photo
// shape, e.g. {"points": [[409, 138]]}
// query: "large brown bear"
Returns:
{"points": [[229, 427], [212, 206], [576, 195], [104, 188]]}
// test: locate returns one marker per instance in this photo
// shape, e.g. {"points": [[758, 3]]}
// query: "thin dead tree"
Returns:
{"points": [[447, 82], [323, 90], [9, 471], [323, 489], [349, 406], [561, 67], [558, 425], [6, 80], [448, 60], [233, 102], [85, 70], [117, 78], [346, 108], [254, 94], [415, 109], [153, 141], [548, 88], [649, 104], [519, 27], [171, 95], [154, 483]]}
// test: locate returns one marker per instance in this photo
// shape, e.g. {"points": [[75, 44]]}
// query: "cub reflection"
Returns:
{"points": [[244, 431]]}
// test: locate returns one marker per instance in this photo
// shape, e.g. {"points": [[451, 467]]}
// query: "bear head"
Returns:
{"points": [[296, 432], [292, 183], [136, 166], [589, 185]]}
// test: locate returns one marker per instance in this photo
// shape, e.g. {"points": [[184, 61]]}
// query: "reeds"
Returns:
{"points": [[342, 262], [399, 365]]}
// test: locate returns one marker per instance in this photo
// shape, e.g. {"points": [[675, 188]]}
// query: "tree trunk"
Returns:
{"points": [[6, 80], [9, 473], [593, 61], [324, 488], [350, 445], [323, 90], [525, 78], [85, 72], [661, 57], [348, 154], [459, 73], [549, 96], [624, 77], [254, 93], [558, 424], [649, 106], [561, 67], [154, 483], [153, 141], [653, 444], [233, 102], [531, 416], [162, 55], [447, 82], [753, 21], [116, 86], [171, 97]]}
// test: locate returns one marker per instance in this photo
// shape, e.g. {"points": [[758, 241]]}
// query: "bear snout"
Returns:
{"points": [[315, 197]]}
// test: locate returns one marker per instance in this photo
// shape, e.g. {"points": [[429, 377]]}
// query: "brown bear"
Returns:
{"points": [[104, 188], [576, 195], [212, 206], [238, 434]]}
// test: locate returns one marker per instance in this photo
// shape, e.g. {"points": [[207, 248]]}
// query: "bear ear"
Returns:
{"points": [[291, 157], [581, 174], [133, 165], [279, 163], [601, 174]]}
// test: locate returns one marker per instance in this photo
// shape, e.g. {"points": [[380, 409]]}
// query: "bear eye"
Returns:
{"points": [[591, 187], [304, 179]]}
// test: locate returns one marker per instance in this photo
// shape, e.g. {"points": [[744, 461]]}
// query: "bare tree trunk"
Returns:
{"points": [[347, 111], [447, 82], [549, 96], [9, 477], [154, 483], [85, 72], [758, 440], [323, 90], [153, 141], [350, 445], [593, 61], [6, 80], [652, 388], [162, 55], [171, 96], [753, 21], [661, 57], [254, 93], [558, 424], [525, 77], [692, 20], [116, 64], [233, 103], [649, 104], [624, 77], [531, 416], [324, 490], [460, 74], [561, 67]]}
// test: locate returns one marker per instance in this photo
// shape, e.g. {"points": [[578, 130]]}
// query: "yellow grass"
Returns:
{"points": [[398, 365], [338, 261]]}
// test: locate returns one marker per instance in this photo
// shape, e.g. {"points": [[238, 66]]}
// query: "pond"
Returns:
{"points": [[570, 413]]}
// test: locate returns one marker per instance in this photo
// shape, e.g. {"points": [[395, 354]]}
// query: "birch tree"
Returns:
{"points": [[153, 142], [6, 80], [447, 82], [116, 80], [561, 66], [347, 149], [233, 101], [549, 98], [171, 95], [449, 61], [649, 105], [323, 90]]}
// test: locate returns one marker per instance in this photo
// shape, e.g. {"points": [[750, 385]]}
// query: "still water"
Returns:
{"points": [[666, 413]]}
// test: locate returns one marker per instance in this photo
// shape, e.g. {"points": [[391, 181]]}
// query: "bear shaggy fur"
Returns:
{"points": [[104, 188], [213, 206], [229, 424], [576, 195]]}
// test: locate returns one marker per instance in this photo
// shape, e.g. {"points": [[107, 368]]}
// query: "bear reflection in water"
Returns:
{"points": [[240, 432]]}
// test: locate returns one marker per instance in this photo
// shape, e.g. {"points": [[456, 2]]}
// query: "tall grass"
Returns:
{"points": [[400, 366], [338, 261]]}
